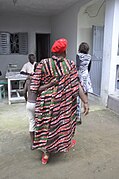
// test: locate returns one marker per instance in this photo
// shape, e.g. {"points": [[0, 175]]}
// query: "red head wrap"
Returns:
{"points": [[59, 46]]}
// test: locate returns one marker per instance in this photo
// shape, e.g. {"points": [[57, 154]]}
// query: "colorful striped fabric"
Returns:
{"points": [[55, 112]]}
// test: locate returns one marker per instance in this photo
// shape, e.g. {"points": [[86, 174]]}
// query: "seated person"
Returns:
{"points": [[28, 68]]}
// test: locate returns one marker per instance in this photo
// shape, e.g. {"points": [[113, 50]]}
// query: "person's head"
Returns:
{"points": [[83, 48], [31, 58], [59, 47]]}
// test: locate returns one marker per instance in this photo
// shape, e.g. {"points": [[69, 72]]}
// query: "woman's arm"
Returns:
{"points": [[84, 99], [43, 87]]}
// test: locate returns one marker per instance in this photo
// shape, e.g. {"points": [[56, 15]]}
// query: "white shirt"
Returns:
{"points": [[28, 67]]}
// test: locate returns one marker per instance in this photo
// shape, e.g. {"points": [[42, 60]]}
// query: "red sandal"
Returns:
{"points": [[44, 160], [73, 143]]}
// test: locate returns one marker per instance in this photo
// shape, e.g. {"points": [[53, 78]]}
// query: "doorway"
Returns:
{"points": [[42, 46]]}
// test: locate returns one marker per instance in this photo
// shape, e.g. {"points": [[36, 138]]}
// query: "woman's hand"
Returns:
{"points": [[53, 82], [86, 108], [84, 99]]}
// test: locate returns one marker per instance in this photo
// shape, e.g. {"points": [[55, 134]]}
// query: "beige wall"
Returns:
{"points": [[85, 22], [65, 25], [22, 23]]}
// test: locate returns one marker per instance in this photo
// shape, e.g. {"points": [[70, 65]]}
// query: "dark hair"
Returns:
{"points": [[31, 55], [83, 48]]}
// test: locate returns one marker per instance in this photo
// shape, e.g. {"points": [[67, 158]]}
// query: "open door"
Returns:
{"points": [[42, 46]]}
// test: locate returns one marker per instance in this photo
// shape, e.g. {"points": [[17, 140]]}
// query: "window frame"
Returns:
{"points": [[5, 43]]}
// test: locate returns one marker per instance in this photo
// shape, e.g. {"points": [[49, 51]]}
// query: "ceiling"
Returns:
{"points": [[36, 7]]}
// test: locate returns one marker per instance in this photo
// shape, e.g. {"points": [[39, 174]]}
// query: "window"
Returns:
{"points": [[14, 43], [4, 43]]}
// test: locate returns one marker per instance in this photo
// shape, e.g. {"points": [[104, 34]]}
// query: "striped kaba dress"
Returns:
{"points": [[55, 111]]}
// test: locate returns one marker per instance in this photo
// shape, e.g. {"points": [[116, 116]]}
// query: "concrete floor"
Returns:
{"points": [[96, 155]]}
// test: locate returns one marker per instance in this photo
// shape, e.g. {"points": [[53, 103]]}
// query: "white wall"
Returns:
{"points": [[107, 16], [110, 58], [85, 22], [22, 23], [65, 25]]}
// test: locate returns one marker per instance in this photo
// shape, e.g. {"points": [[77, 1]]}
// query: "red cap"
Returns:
{"points": [[59, 46]]}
